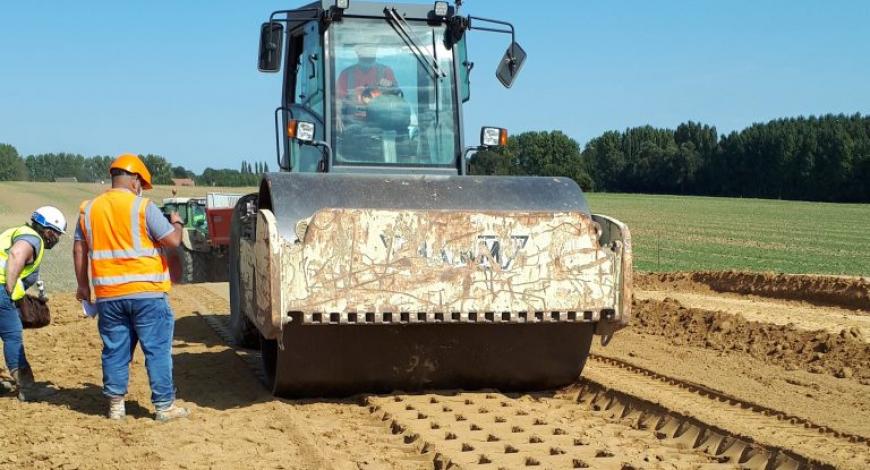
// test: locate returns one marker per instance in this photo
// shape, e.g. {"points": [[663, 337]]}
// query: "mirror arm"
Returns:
{"points": [[326, 154], [278, 134], [476, 148], [301, 14], [510, 31], [287, 13], [465, 153]]}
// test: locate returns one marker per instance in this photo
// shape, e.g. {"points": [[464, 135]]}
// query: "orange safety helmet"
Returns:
{"points": [[133, 164]]}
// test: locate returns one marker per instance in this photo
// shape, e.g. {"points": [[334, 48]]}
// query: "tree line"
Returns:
{"points": [[825, 158], [51, 166]]}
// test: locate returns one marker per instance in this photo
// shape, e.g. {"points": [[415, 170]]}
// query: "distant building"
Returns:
{"points": [[183, 182], [66, 179]]}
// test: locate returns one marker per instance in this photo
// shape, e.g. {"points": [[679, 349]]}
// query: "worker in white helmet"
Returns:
{"points": [[21, 251]]}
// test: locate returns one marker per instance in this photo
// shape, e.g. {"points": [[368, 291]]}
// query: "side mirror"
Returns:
{"points": [[510, 65], [464, 71], [271, 44], [491, 137]]}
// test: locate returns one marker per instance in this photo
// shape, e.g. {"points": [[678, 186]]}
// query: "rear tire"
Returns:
{"points": [[243, 332], [188, 265]]}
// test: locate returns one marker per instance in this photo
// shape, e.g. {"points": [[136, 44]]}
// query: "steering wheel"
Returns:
{"points": [[388, 109]]}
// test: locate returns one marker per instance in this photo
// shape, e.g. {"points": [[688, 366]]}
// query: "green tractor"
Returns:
{"points": [[202, 256]]}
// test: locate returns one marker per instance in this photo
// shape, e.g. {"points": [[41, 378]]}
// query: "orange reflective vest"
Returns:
{"points": [[124, 259]]}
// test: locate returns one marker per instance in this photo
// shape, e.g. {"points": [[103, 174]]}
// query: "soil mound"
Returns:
{"points": [[847, 292], [842, 354]]}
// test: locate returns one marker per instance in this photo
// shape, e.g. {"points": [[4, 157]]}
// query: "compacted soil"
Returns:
{"points": [[750, 374]]}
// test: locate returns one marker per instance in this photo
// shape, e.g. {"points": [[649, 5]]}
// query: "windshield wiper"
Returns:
{"points": [[403, 30]]}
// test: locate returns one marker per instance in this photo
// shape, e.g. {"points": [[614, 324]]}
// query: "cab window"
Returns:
{"points": [[388, 108]]}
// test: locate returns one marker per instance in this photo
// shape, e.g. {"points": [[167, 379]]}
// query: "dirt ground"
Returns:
{"points": [[703, 378]]}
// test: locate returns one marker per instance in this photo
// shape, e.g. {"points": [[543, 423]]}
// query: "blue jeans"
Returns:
{"points": [[149, 322], [10, 333]]}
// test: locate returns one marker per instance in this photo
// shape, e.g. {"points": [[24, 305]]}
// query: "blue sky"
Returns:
{"points": [[178, 78]]}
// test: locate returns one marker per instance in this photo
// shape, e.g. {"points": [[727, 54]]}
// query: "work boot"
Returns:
{"points": [[117, 411], [28, 390], [171, 412], [6, 386]]}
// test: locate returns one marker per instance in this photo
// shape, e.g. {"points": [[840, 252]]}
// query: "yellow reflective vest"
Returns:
{"points": [[6, 239]]}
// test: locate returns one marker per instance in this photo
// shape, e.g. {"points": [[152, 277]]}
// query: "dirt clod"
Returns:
{"points": [[845, 373]]}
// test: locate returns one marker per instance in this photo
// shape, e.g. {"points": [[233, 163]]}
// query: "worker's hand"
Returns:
{"points": [[83, 293], [174, 217]]}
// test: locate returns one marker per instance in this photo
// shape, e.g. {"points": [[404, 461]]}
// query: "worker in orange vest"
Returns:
{"points": [[124, 234]]}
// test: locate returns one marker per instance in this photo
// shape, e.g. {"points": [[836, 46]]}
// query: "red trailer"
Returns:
{"points": [[202, 256], [219, 223]]}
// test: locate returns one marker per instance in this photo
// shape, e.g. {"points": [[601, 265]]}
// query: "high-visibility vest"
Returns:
{"points": [[6, 239], [124, 259]]}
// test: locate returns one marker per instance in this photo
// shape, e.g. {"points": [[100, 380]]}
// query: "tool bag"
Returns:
{"points": [[34, 312]]}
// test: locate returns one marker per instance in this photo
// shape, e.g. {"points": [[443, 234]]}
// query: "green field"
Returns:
{"points": [[678, 233], [671, 233]]}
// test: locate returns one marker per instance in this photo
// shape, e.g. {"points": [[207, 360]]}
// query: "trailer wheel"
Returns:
{"points": [[188, 265], [243, 332]]}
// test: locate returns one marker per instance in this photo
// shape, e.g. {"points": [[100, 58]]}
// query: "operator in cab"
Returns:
{"points": [[199, 217], [372, 107], [363, 81]]}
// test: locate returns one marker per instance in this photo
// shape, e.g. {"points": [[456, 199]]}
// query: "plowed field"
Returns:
{"points": [[719, 370]]}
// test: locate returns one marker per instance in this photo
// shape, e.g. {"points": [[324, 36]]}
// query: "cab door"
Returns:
{"points": [[305, 94]]}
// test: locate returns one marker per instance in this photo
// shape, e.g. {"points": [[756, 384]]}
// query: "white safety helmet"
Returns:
{"points": [[51, 217]]}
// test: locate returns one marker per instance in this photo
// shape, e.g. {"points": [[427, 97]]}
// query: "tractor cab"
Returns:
{"points": [[375, 87], [190, 209]]}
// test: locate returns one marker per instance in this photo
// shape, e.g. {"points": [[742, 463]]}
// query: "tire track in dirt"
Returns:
{"points": [[807, 443], [820, 398], [723, 397], [588, 425], [495, 430]]}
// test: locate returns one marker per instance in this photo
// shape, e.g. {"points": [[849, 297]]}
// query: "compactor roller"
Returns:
{"points": [[373, 262]]}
